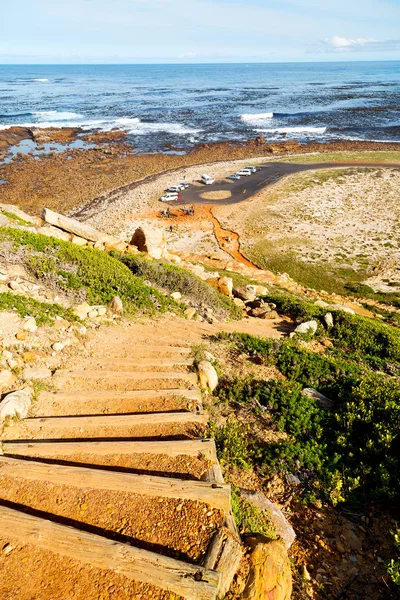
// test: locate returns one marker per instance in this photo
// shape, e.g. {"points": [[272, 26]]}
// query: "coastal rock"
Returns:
{"points": [[76, 227], [16, 404], [321, 400], [116, 306], [151, 240], [307, 327], [207, 375], [225, 285], [270, 576], [279, 521], [7, 379], [247, 293], [16, 211]]}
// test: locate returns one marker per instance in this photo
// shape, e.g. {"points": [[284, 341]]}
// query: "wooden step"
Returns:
{"points": [[145, 351], [93, 402], [195, 448], [133, 364], [99, 479], [126, 380], [190, 581]]}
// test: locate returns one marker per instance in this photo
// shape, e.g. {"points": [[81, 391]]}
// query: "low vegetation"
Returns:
{"points": [[44, 313], [174, 279], [85, 273]]}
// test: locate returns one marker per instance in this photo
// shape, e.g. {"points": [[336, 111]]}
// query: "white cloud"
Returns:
{"points": [[188, 55], [339, 44]]}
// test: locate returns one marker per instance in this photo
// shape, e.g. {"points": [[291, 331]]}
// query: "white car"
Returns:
{"points": [[252, 169], [183, 185], [170, 197], [174, 188], [235, 176], [207, 180], [244, 172]]}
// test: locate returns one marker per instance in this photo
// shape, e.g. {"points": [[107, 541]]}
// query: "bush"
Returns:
{"points": [[44, 313], [250, 519], [99, 276], [232, 445], [175, 279]]}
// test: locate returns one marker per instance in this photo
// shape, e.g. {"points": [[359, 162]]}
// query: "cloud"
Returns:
{"points": [[338, 44], [188, 55]]}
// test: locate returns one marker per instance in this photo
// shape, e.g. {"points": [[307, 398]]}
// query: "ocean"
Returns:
{"points": [[184, 105]]}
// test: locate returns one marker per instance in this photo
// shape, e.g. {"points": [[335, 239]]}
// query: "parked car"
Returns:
{"points": [[207, 180], [170, 197], [174, 188], [183, 185], [235, 176], [244, 172], [252, 169]]}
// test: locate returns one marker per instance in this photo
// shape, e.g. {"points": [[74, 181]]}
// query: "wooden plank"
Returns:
{"points": [[214, 549], [190, 581], [103, 373], [205, 448], [87, 478], [124, 420], [228, 564], [104, 395], [126, 364]]}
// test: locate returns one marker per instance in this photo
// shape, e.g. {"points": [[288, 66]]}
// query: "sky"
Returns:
{"points": [[197, 31]]}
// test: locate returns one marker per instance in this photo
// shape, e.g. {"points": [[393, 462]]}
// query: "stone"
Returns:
{"points": [[328, 319], [321, 400], [3, 220], [58, 346], [247, 293], [270, 576], [210, 357], [207, 375], [239, 302], [54, 232], [93, 313], [35, 373], [115, 306], [7, 379], [79, 241], [117, 246], [174, 258], [30, 325], [271, 315], [21, 335], [190, 313], [82, 310], [321, 303], [101, 310], [29, 356], [16, 404], [307, 327], [151, 240], [260, 312], [15, 210], [261, 290], [176, 295], [76, 227], [282, 526], [225, 285], [14, 285]]}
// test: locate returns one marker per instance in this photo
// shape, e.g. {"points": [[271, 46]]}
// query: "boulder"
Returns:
{"points": [[16, 404], [239, 302], [115, 306], [151, 240], [282, 526], [54, 232], [271, 315], [82, 310], [79, 241], [261, 290], [307, 327], [225, 285], [247, 293], [15, 210], [207, 375], [328, 319], [321, 400], [76, 227], [260, 312], [35, 373], [270, 576], [7, 379]]}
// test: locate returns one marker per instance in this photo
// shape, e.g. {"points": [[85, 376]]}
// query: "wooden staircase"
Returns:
{"points": [[113, 473]]}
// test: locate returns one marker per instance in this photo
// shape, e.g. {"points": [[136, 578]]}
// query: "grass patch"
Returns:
{"points": [[44, 313], [15, 218], [96, 274], [249, 518]]}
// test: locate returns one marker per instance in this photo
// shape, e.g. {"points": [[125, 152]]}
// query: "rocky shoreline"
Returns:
{"points": [[72, 177]]}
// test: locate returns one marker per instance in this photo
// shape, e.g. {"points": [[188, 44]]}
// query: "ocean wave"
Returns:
{"points": [[41, 79], [256, 119], [311, 130], [133, 125]]}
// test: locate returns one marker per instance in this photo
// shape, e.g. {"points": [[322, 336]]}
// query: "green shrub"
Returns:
{"points": [[393, 567], [98, 275], [232, 443], [175, 279], [249, 518]]}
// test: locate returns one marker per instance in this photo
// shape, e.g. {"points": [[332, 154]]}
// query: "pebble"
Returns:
{"points": [[22, 335]]}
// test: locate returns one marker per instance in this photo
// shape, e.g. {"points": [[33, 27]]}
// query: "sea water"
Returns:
{"points": [[183, 105]]}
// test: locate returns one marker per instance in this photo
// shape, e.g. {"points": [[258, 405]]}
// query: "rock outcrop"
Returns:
{"points": [[270, 576], [151, 240]]}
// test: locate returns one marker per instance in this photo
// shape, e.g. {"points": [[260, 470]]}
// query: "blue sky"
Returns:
{"points": [[140, 31]]}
